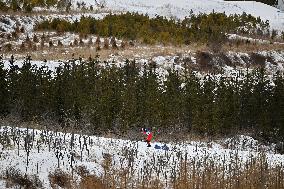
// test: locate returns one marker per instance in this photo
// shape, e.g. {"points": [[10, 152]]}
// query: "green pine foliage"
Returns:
{"points": [[3, 6], [134, 26], [4, 90], [100, 97], [28, 5]]}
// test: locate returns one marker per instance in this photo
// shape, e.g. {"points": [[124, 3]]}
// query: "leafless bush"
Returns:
{"points": [[113, 43], [14, 177], [92, 182], [60, 178], [8, 47], [35, 38], [258, 59], [82, 171], [204, 59], [106, 43]]}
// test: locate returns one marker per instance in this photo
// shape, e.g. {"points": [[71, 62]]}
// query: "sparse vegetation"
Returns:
{"points": [[175, 169], [14, 177], [60, 178], [29, 5]]}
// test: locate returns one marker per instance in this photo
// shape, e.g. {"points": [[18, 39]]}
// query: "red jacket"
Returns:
{"points": [[149, 135]]}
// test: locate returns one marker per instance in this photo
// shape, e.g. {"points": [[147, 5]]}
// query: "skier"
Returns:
{"points": [[149, 136]]}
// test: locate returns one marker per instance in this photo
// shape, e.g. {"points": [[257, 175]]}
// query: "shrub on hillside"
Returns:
{"points": [[133, 26], [14, 177], [60, 178]]}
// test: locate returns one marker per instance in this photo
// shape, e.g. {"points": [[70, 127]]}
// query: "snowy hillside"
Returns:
{"points": [[42, 152], [183, 8]]}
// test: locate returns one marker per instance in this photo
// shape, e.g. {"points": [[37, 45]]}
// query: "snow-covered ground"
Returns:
{"points": [[176, 9], [230, 64], [8, 22], [183, 8], [41, 152]]}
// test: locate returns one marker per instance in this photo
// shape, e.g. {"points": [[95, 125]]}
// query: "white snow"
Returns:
{"points": [[176, 9], [182, 8], [89, 151], [274, 62]]}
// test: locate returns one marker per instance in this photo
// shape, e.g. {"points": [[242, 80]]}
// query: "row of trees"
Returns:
{"points": [[100, 98], [28, 5], [134, 26]]}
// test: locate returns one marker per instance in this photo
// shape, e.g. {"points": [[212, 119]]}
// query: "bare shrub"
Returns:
{"points": [[98, 41], [22, 30], [82, 171], [27, 39], [106, 43], [8, 47], [123, 45], [60, 44], [90, 42], [15, 35], [131, 43], [59, 178], [224, 59], [75, 43], [113, 43], [15, 178], [81, 43], [92, 182], [204, 59], [215, 46], [35, 39], [34, 47], [43, 38], [50, 44], [9, 36], [22, 47], [42, 44], [258, 59]]}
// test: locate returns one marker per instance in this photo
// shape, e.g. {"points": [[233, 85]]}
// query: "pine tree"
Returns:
{"points": [[277, 108], [4, 93], [14, 5]]}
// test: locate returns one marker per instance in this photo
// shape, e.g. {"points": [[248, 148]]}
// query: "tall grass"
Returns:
{"points": [[187, 173]]}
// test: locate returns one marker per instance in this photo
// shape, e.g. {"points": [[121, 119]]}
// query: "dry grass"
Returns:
{"points": [[138, 51], [60, 179], [92, 182], [252, 47], [175, 169], [254, 174], [16, 179]]}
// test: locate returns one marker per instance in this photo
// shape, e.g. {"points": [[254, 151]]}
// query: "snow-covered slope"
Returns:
{"points": [[182, 8], [41, 152]]}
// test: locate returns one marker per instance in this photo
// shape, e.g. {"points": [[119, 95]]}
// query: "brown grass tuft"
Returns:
{"points": [[92, 182], [60, 178]]}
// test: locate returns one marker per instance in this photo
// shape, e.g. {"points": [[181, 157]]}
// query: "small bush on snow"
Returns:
{"points": [[60, 178], [14, 177]]}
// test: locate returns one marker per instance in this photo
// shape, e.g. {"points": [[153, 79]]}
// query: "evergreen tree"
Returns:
{"points": [[4, 93]]}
